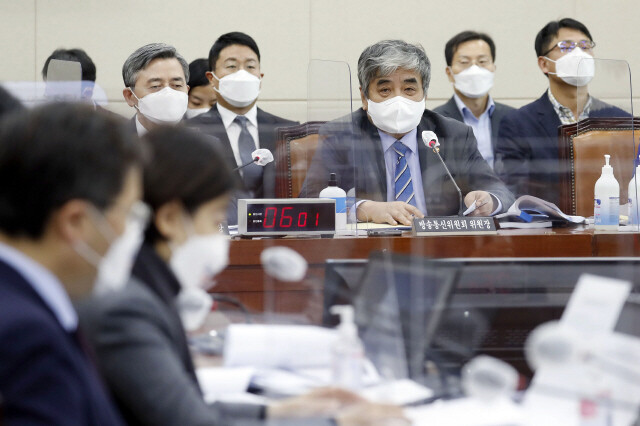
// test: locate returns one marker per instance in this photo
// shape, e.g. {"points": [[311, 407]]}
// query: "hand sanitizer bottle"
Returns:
{"points": [[606, 210], [632, 194], [338, 194], [347, 357]]}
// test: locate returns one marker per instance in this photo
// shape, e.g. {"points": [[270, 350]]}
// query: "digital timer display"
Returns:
{"points": [[284, 218]]}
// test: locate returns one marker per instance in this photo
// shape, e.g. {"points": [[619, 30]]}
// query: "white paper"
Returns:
{"points": [[595, 304], [218, 381], [467, 412], [289, 347], [399, 392]]}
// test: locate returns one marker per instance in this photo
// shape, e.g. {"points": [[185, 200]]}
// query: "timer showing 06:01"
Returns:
{"points": [[287, 219], [286, 216]]}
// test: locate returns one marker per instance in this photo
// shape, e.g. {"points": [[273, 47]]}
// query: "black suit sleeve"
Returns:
{"points": [[476, 175], [513, 155]]}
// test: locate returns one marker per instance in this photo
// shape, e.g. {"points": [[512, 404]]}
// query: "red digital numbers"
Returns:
{"points": [[302, 220], [285, 218], [266, 217]]}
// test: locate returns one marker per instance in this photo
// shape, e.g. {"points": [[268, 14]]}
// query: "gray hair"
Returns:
{"points": [[385, 57], [141, 58]]}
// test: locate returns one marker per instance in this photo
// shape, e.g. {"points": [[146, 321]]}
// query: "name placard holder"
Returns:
{"points": [[453, 225]]}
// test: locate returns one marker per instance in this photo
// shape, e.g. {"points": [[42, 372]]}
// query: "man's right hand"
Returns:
{"points": [[392, 212]]}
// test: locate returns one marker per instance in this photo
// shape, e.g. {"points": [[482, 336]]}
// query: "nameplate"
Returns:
{"points": [[453, 225]]}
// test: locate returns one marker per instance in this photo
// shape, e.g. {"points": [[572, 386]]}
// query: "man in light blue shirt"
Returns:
{"points": [[470, 67]]}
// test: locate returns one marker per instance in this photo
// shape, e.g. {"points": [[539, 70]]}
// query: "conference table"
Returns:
{"points": [[245, 279]]}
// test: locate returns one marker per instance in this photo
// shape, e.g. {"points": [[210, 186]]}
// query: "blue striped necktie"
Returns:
{"points": [[403, 185]]}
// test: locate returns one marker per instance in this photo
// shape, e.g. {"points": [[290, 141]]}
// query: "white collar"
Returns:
{"points": [[228, 116], [47, 285], [141, 130]]}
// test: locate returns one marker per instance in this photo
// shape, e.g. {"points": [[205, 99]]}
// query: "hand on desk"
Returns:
{"points": [[347, 408], [480, 197], [392, 212]]}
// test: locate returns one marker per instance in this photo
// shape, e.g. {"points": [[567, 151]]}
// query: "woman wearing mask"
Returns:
{"points": [[138, 333], [201, 94]]}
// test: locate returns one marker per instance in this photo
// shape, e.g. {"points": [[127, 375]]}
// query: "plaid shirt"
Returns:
{"points": [[565, 114]]}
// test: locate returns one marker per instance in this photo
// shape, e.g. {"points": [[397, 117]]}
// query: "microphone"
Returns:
{"points": [[283, 263], [431, 141], [261, 157]]}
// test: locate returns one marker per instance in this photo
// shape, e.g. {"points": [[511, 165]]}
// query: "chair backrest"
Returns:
{"points": [[581, 151], [295, 147]]}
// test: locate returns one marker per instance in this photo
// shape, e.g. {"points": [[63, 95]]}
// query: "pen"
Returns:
{"points": [[473, 207]]}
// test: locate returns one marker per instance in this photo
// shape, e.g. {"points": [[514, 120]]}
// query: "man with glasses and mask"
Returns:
{"points": [[381, 155], [70, 184], [155, 78], [235, 119], [470, 68], [527, 149]]}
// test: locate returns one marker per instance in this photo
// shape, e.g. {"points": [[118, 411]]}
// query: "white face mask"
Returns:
{"points": [[576, 68], [195, 263], [166, 106], [240, 89], [474, 82], [194, 112], [396, 115], [114, 268]]}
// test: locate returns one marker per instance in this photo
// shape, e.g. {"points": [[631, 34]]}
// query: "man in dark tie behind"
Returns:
{"points": [[69, 176], [241, 127], [380, 153]]}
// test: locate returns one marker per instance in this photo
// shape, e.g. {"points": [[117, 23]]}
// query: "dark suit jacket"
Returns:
{"points": [[45, 377], [450, 109], [211, 123], [527, 150], [142, 351], [353, 151]]}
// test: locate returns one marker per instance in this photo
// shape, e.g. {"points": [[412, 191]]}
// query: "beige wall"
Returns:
{"points": [[291, 32]]}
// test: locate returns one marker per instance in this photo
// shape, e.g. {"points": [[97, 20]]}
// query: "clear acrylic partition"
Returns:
{"points": [[608, 99], [64, 83]]}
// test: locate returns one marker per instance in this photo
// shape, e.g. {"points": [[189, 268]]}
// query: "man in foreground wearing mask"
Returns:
{"points": [[155, 78], [235, 119], [139, 333], [70, 179], [471, 66], [527, 149], [380, 153]]}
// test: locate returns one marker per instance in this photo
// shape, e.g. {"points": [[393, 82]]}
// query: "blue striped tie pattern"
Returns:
{"points": [[403, 185]]}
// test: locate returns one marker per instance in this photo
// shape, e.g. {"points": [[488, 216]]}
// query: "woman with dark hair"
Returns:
{"points": [[201, 94], [138, 333]]}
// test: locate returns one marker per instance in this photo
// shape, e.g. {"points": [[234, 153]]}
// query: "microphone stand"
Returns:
{"points": [[248, 164], [437, 151]]}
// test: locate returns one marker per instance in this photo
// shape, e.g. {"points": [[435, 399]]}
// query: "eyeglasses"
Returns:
{"points": [[568, 45]]}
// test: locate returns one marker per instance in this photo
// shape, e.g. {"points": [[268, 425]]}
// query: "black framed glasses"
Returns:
{"points": [[566, 46]]}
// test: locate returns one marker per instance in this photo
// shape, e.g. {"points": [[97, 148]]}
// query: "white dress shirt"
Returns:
{"points": [[140, 128], [47, 285], [233, 128]]}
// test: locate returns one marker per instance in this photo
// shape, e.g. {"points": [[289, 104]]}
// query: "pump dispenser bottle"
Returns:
{"points": [[338, 194], [606, 210], [632, 195], [348, 352]]}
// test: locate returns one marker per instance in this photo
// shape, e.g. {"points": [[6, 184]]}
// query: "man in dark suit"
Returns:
{"points": [[241, 127], [527, 150], [69, 175], [471, 66], [378, 150], [155, 79]]}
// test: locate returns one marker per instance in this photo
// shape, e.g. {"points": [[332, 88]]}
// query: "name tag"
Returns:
{"points": [[453, 225]]}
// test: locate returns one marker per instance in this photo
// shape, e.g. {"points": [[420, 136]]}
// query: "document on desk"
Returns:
{"points": [[467, 412], [217, 382], [278, 346]]}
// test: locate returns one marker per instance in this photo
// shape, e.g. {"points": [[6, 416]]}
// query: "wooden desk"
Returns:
{"points": [[245, 279]]}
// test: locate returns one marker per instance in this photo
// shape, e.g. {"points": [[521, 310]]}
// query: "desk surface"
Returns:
{"points": [[244, 278]]}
